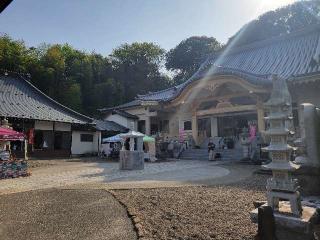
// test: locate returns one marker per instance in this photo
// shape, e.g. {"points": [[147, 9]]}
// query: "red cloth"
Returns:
{"points": [[31, 136], [252, 132], [7, 134]]}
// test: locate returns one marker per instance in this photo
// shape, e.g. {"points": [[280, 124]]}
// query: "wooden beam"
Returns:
{"points": [[228, 96], [218, 82], [226, 110]]}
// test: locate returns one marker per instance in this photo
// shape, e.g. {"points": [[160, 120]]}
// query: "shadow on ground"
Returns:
{"points": [[63, 214]]}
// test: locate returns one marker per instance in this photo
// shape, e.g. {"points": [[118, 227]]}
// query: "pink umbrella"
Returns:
{"points": [[7, 134]]}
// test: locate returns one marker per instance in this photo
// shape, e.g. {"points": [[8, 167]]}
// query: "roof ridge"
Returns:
{"points": [[19, 76], [159, 91], [118, 106], [124, 113], [248, 46]]}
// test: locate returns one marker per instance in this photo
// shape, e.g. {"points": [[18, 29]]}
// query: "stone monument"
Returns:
{"points": [[281, 185], [310, 130], [245, 142], [308, 150], [292, 220], [131, 154]]}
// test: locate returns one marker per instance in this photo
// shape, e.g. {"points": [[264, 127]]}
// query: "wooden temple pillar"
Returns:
{"points": [[260, 115], [148, 126], [195, 128]]}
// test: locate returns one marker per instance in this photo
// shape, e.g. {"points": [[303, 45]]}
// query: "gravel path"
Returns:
{"points": [[62, 173], [195, 213], [64, 214]]}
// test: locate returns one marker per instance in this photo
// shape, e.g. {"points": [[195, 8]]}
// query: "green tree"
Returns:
{"points": [[137, 67], [14, 55], [73, 97], [188, 55]]}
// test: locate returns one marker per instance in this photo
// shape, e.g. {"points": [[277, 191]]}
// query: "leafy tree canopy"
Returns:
{"points": [[88, 81], [137, 66], [187, 56]]}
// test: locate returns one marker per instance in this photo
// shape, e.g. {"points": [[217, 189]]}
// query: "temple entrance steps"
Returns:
{"points": [[219, 142], [202, 154]]}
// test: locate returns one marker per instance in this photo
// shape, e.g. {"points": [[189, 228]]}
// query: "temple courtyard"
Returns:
{"points": [[84, 199], [92, 199], [63, 173]]}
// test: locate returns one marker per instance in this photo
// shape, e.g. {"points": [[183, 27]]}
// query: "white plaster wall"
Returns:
{"points": [[141, 113], [132, 124], [43, 125], [66, 127], [48, 126], [78, 147], [118, 119], [126, 122]]}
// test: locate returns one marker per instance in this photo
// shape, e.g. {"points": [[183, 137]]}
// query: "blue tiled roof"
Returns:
{"points": [[289, 56]]}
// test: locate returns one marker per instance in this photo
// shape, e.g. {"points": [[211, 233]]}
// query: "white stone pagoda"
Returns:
{"points": [[281, 185]]}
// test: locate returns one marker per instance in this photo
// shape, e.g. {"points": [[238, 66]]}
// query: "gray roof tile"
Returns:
{"points": [[289, 56], [124, 114], [20, 99], [103, 125], [133, 103]]}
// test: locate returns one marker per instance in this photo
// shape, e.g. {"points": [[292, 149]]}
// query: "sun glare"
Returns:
{"points": [[267, 5]]}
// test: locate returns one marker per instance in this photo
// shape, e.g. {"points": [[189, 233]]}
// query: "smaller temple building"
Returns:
{"points": [[52, 129]]}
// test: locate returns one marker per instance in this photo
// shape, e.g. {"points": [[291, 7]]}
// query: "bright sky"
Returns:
{"points": [[102, 25]]}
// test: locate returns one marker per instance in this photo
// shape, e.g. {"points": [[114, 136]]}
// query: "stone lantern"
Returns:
{"points": [[292, 221], [281, 185], [131, 154]]}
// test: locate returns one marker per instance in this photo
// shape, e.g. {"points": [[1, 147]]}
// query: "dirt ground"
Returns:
{"points": [[63, 214], [195, 213], [219, 209]]}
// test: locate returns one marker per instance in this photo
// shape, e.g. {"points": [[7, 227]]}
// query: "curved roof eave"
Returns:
{"points": [[290, 56], [259, 80]]}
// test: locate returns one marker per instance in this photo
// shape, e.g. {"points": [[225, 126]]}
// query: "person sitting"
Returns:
{"points": [[211, 147]]}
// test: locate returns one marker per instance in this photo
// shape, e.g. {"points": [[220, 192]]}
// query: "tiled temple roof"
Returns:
{"points": [[20, 99], [291, 56], [104, 125], [124, 114], [133, 103]]}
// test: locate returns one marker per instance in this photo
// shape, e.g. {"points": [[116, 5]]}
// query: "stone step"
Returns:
{"points": [[202, 154]]}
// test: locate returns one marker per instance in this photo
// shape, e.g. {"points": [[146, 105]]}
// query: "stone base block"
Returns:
{"points": [[131, 160], [291, 227]]}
